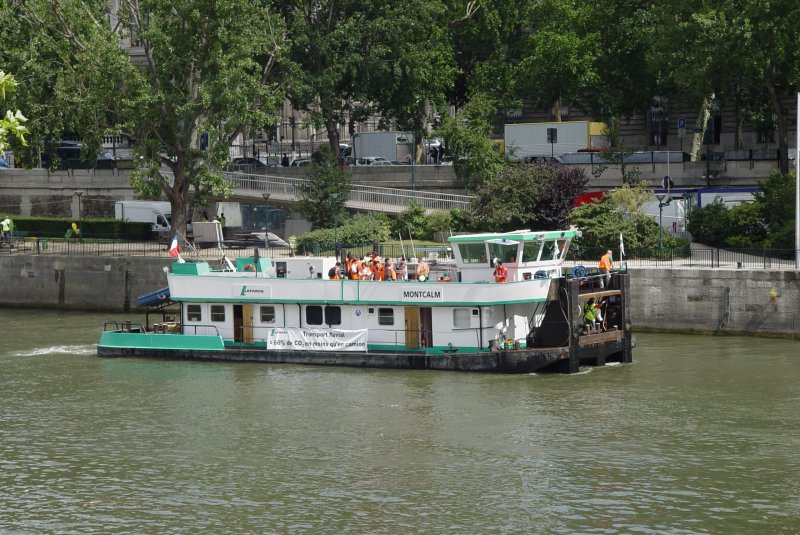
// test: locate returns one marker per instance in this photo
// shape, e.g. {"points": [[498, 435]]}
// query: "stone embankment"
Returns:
{"points": [[703, 300]]}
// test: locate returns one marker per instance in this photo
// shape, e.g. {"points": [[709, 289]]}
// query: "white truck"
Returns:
{"points": [[157, 213], [542, 140], [391, 146]]}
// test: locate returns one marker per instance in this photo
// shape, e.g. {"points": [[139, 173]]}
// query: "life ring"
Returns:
{"points": [[579, 272], [249, 267], [541, 274], [421, 278]]}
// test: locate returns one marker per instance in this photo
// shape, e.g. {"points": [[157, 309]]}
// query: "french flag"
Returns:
{"points": [[174, 248]]}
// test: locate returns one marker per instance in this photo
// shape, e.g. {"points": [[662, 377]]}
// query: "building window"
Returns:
{"points": [[765, 128], [333, 315], [267, 314], [218, 313], [194, 313], [314, 315], [461, 318], [385, 316]]}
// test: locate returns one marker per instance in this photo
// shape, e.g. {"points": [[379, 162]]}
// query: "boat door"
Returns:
{"points": [[418, 323], [412, 327], [243, 324]]}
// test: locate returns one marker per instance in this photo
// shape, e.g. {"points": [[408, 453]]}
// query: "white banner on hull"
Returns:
{"points": [[317, 339]]}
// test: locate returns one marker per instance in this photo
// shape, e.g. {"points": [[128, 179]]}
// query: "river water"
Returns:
{"points": [[699, 435]]}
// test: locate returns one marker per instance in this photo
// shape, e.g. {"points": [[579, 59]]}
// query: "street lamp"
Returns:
{"points": [[661, 204], [80, 216], [337, 199], [266, 219]]}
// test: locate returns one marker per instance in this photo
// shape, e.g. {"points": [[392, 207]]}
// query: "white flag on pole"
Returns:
{"points": [[621, 246]]}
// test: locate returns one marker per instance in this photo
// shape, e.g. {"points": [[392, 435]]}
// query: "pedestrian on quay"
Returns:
{"points": [[605, 266]]}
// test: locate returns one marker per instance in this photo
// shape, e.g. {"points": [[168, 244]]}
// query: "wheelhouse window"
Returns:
{"points": [[549, 251], [473, 253], [505, 250], [218, 313], [314, 315], [194, 313], [333, 315], [461, 318], [530, 251], [385, 316], [267, 314]]}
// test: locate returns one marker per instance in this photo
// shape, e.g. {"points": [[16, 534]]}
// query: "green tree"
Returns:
{"points": [[13, 122], [709, 225], [468, 138], [206, 73], [329, 43], [775, 200], [535, 196], [408, 77], [321, 200], [411, 222]]}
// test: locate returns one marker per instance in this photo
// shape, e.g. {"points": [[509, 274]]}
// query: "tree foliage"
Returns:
{"points": [[321, 200], [355, 231], [535, 196], [13, 123], [206, 74]]}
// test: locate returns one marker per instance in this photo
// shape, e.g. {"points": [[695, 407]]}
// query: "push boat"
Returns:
{"points": [[285, 311]]}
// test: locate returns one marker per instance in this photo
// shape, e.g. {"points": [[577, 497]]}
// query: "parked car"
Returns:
{"points": [[301, 162], [247, 164], [373, 160]]}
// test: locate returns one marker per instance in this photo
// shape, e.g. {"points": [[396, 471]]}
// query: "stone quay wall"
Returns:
{"points": [[703, 300]]}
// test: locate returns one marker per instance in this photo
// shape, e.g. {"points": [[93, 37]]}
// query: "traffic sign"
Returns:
{"points": [[681, 127]]}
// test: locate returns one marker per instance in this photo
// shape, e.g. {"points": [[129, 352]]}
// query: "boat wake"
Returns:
{"points": [[89, 349]]}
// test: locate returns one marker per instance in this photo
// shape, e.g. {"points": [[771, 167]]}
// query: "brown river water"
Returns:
{"points": [[699, 435]]}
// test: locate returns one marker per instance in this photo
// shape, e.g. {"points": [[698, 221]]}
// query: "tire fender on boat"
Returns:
{"points": [[249, 267]]}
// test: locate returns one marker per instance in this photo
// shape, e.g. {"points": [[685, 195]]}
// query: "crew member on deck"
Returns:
{"points": [[500, 271], [423, 270], [606, 265], [333, 273]]}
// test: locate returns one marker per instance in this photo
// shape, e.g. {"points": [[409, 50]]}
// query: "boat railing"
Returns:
{"points": [[193, 329], [123, 326]]}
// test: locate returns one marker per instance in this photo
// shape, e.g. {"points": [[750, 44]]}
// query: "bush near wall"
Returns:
{"points": [[92, 228]]}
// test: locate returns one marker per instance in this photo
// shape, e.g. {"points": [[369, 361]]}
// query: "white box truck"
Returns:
{"points": [[391, 146], [537, 140], [157, 213]]}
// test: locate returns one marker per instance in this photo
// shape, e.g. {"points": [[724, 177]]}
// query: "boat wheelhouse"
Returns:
{"points": [[287, 310]]}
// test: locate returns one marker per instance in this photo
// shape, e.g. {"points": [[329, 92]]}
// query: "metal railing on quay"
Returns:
{"points": [[361, 196], [692, 257]]}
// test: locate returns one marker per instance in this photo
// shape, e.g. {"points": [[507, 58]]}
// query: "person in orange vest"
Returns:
{"points": [[500, 271], [392, 273], [348, 265], [355, 269], [606, 265], [333, 273], [378, 270]]}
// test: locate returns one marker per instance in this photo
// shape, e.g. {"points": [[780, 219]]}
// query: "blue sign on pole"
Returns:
{"points": [[681, 122], [681, 128]]}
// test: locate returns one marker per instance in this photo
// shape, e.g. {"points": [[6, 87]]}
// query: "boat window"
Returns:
{"points": [[267, 314], [314, 315], [218, 313], [194, 313], [473, 253], [385, 316], [461, 317], [505, 252], [333, 315], [530, 251], [550, 251]]}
